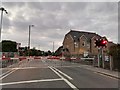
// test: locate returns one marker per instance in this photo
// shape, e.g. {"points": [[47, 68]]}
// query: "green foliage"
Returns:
{"points": [[9, 46], [34, 52], [59, 51], [49, 52]]}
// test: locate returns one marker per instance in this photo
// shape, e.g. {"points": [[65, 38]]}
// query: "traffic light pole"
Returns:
{"points": [[103, 63], [100, 43], [101, 57], [98, 57]]}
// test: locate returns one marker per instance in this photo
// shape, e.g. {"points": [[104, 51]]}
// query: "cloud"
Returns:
{"points": [[53, 20]]}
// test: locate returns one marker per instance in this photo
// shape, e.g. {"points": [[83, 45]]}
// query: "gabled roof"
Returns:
{"points": [[77, 34]]}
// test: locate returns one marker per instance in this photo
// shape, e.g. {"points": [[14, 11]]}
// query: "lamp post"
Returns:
{"points": [[53, 47], [2, 9], [18, 46], [38, 47], [62, 54], [29, 39]]}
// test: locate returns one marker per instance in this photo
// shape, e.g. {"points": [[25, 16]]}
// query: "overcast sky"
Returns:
{"points": [[53, 20]]}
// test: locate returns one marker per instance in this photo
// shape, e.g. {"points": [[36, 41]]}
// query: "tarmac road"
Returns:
{"points": [[54, 74]]}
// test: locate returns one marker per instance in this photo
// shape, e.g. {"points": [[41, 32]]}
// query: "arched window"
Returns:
{"points": [[84, 44]]}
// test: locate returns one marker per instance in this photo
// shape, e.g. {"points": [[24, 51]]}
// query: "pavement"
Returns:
{"points": [[107, 72]]}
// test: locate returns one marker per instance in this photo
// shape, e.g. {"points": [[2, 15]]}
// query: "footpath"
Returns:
{"points": [[114, 74]]}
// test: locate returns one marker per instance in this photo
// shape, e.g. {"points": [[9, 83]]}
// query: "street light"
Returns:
{"points": [[2, 9], [53, 46], [29, 38]]}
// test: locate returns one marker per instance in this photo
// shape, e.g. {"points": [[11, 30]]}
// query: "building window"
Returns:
{"points": [[88, 45], [83, 44], [76, 44]]}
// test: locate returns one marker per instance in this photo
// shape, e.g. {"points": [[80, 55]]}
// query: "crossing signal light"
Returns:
{"points": [[103, 42], [97, 43], [100, 43]]}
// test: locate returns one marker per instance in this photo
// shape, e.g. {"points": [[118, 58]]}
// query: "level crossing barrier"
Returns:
{"points": [[7, 61]]}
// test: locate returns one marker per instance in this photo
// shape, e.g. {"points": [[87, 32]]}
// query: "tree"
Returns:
{"points": [[45, 53], [49, 52], [42, 53], [58, 52], [33, 52], [9, 46]]}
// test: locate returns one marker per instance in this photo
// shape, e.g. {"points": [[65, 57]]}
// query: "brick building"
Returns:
{"points": [[80, 43]]}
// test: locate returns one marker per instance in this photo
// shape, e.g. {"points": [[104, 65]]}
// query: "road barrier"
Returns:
{"points": [[37, 58], [22, 58], [7, 61], [53, 57]]}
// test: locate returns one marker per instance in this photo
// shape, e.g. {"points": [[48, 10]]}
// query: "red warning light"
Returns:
{"points": [[104, 42], [100, 42]]}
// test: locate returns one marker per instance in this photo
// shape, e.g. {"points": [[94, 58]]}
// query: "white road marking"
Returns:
{"points": [[63, 73], [69, 83], [31, 81], [27, 67], [42, 67], [8, 74], [67, 66]]}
